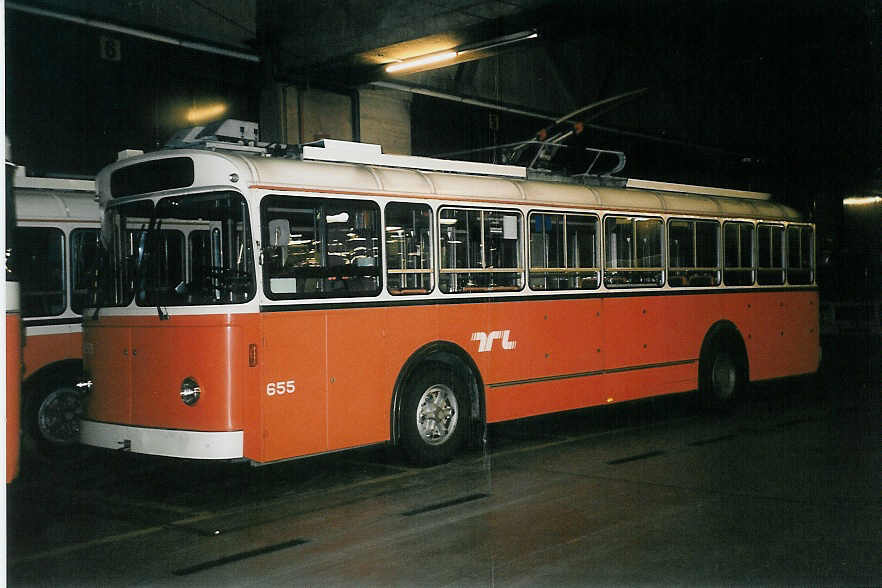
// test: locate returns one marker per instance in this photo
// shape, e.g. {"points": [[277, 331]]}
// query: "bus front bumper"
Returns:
{"points": [[165, 442]]}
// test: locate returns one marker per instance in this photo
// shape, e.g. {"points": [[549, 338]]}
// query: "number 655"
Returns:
{"points": [[280, 387]]}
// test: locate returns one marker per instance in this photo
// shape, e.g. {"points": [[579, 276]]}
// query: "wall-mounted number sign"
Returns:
{"points": [[110, 49]]}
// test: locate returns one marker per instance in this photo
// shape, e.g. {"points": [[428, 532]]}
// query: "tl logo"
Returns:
{"points": [[486, 340]]}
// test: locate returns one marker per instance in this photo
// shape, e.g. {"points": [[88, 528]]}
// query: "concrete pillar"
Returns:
{"points": [[385, 119]]}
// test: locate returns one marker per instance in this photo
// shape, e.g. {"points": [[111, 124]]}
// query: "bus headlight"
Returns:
{"points": [[190, 391]]}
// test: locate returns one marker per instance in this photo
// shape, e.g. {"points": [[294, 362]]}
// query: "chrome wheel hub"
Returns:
{"points": [[437, 414], [59, 416]]}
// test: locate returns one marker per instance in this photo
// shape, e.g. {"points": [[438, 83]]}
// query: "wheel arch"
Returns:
{"points": [[451, 355], [50, 372]]}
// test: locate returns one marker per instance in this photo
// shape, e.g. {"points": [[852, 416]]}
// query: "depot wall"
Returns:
{"points": [[294, 114]]}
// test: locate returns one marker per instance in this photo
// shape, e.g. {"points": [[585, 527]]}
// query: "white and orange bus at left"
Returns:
{"points": [[265, 306], [56, 237]]}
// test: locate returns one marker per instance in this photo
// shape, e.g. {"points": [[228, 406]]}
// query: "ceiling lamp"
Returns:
{"points": [[862, 200], [470, 51], [417, 62]]}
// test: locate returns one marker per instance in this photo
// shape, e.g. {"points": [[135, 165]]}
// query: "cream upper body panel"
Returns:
{"points": [[217, 169]]}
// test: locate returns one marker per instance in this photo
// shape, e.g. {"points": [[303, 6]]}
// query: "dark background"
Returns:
{"points": [[782, 97]]}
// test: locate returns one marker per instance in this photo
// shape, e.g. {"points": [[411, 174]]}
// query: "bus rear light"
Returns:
{"points": [[190, 391], [252, 355]]}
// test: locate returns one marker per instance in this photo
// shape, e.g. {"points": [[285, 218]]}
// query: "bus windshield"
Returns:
{"points": [[181, 250]]}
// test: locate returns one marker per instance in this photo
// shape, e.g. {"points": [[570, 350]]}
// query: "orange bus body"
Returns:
{"points": [[569, 354], [48, 349]]}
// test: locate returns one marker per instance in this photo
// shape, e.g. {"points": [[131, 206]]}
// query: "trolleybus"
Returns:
{"points": [[57, 237], [13, 334], [331, 296]]}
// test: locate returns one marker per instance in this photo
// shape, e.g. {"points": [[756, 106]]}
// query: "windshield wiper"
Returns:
{"points": [[157, 265], [97, 276], [148, 257]]}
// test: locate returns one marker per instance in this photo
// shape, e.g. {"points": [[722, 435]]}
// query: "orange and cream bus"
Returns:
{"points": [[332, 296], [13, 335], [57, 238]]}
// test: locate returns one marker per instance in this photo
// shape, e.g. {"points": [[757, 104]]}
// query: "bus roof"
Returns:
{"points": [[55, 199], [329, 174]]}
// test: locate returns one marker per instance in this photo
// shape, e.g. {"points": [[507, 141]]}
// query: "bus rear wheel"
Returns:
{"points": [[434, 415], [723, 378]]}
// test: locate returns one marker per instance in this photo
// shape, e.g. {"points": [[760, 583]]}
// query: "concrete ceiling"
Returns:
{"points": [[228, 23], [329, 37]]}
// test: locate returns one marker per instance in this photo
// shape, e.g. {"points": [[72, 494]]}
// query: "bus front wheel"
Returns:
{"points": [[434, 416], [52, 417]]}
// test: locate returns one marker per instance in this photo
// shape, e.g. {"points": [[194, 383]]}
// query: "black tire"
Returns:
{"points": [[722, 375], [52, 412], [434, 415]]}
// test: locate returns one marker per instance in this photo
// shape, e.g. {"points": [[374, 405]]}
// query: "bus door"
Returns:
{"points": [[294, 386]]}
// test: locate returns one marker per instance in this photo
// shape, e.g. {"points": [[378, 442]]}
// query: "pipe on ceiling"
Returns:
{"points": [[89, 22]]}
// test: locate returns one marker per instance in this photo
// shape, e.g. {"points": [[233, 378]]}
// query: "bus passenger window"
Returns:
{"points": [[320, 248], [408, 248], [693, 253], [770, 253], [41, 270], [84, 251], [739, 261], [480, 250], [633, 252], [800, 254], [563, 251]]}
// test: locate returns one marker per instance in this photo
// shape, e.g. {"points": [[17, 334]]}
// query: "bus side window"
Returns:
{"points": [[800, 254], [770, 253], [633, 252], [693, 253], [332, 247], [563, 251], [480, 250], [84, 251], [738, 249], [408, 233], [41, 271]]}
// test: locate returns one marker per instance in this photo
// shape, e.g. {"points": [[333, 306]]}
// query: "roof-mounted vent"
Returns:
{"points": [[126, 153], [366, 153], [222, 134]]}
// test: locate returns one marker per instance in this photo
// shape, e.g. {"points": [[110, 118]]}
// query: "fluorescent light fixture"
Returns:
{"points": [[417, 62], [862, 200], [203, 114], [445, 56]]}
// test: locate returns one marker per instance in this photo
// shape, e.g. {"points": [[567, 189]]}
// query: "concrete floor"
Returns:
{"points": [[785, 491]]}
